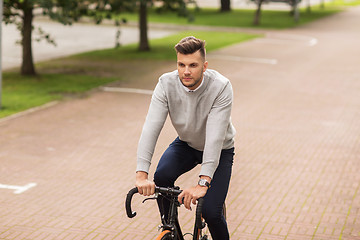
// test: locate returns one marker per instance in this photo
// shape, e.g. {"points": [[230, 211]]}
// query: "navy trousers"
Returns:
{"points": [[180, 158]]}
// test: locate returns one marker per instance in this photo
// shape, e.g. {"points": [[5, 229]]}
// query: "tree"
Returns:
{"points": [[258, 12], [294, 9], [21, 13], [173, 5], [106, 8], [143, 26], [225, 6]]}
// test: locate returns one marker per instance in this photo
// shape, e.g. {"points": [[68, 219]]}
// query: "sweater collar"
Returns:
{"points": [[189, 90]]}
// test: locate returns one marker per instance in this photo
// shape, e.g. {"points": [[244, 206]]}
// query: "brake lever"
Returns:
{"points": [[152, 198]]}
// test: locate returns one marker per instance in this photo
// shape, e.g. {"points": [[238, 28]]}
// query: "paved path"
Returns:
{"points": [[296, 172], [84, 37]]}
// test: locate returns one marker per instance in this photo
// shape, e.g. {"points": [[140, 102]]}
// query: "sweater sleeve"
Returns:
{"points": [[153, 125], [216, 127]]}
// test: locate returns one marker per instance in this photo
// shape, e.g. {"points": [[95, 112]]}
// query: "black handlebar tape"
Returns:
{"points": [[129, 196], [199, 223], [168, 190]]}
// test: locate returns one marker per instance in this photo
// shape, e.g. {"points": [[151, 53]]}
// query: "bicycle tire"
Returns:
{"points": [[165, 235]]}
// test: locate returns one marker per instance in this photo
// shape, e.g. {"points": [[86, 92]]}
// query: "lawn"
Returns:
{"points": [[270, 19], [163, 49], [73, 76], [21, 93]]}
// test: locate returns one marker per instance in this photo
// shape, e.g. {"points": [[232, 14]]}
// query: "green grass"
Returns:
{"points": [[21, 93], [270, 19], [347, 3], [163, 49], [74, 75]]}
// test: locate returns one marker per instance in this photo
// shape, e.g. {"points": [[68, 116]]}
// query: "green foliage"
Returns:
{"points": [[64, 11], [21, 13], [178, 6], [107, 9]]}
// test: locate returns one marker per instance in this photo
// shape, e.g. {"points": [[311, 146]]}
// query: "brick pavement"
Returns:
{"points": [[296, 172]]}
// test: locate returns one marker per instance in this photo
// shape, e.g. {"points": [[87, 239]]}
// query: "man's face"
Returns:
{"points": [[191, 68]]}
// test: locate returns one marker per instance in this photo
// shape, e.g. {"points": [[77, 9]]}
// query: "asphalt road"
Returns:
{"points": [[69, 39]]}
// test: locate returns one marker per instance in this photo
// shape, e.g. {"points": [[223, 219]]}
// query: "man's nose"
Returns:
{"points": [[187, 70]]}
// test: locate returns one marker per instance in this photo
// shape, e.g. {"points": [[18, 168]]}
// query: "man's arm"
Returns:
{"points": [[154, 122], [217, 126]]}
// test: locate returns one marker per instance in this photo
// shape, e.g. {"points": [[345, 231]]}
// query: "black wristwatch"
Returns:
{"points": [[204, 183]]}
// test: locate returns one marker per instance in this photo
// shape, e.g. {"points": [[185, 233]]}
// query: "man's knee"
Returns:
{"points": [[163, 178]]}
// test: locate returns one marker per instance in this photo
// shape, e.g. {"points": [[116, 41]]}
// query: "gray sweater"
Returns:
{"points": [[201, 118]]}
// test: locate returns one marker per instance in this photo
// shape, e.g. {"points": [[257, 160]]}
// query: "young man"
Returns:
{"points": [[198, 101]]}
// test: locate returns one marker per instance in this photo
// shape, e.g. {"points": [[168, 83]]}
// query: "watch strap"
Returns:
{"points": [[204, 183]]}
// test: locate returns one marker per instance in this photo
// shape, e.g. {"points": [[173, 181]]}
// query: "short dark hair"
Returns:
{"points": [[190, 45]]}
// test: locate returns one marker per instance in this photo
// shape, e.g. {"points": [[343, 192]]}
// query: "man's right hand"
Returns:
{"points": [[144, 185]]}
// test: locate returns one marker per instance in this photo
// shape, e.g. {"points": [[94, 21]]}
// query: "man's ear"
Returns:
{"points": [[205, 65]]}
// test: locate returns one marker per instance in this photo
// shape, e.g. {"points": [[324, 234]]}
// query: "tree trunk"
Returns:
{"points": [[225, 6], [296, 11], [27, 66], [322, 4], [308, 8], [258, 13], [144, 41]]}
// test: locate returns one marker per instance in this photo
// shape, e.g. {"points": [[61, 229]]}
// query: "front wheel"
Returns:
{"points": [[165, 235]]}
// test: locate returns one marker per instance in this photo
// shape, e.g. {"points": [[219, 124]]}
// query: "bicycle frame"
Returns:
{"points": [[173, 224]]}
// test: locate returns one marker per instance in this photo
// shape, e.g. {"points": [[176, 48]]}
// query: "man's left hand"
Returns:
{"points": [[190, 195]]}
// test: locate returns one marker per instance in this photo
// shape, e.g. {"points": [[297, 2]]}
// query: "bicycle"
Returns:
{"points": [[171, 228]]}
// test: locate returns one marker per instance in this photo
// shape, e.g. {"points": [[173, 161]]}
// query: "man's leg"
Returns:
{"points": [[176, 160], [215, 197]]}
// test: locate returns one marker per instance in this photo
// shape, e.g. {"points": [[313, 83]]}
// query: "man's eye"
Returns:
{"points": [[193, 65]]}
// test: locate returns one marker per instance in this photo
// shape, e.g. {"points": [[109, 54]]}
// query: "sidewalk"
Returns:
{"points": [[296, 170]]}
